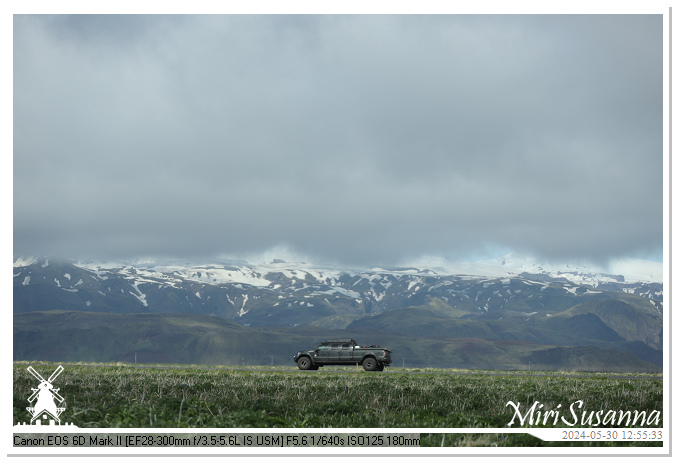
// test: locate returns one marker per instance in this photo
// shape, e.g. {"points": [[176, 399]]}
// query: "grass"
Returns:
{"points": [[121, 396]]}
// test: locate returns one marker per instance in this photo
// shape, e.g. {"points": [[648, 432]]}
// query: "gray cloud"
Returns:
{"points": [[363, 139]]}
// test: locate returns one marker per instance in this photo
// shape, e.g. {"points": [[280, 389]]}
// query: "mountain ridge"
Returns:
{"points": [[277, 290]]}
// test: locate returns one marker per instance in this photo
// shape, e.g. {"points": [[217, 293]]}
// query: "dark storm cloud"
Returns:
{"points": [[366, 139]]}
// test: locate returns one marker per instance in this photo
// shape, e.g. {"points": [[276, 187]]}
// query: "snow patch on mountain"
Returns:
{"points": [[341, 291], [242, 308], [139, 295], [637, 270], [23, 262]]}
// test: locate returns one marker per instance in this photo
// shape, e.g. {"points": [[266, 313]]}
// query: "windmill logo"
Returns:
{"points": [[46, 394], [46, 407]]}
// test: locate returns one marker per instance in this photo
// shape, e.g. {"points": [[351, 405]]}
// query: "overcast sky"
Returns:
{"points": [[351, 139]]}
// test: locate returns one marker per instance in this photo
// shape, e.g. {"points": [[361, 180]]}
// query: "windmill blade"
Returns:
{"points": [[35, 393], [55, 374], [56, 395], [35, 373]]}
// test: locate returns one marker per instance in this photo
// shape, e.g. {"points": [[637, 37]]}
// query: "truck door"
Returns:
{"points": [[346, 352], [334, 352], [323, 353]]}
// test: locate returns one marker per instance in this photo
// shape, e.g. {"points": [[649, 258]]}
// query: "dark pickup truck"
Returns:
{"points": [[343, 351]]}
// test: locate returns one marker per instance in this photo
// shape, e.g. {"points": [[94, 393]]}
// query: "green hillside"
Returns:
{"points": [[425, 322], [629, 319], [628, 326], [195, 339]]}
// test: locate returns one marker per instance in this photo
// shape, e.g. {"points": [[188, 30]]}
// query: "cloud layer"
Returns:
{"points": [[357, 139]]}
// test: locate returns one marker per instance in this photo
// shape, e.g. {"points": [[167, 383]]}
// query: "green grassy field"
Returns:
{"points": [[115, 396]]}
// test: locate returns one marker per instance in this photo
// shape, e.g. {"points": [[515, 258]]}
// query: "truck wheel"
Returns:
{"points": [[370, 364], [304, 363]]}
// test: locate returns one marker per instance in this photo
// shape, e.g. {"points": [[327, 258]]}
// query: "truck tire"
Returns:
{"points": [[370, 364], [304, 363]]}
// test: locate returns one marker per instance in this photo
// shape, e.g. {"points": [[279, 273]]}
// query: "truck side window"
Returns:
{"points": [[335, 346], [346, 346]]}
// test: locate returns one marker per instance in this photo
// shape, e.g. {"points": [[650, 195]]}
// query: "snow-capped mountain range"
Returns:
{"points": [[510, 265], [284, 293]]}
